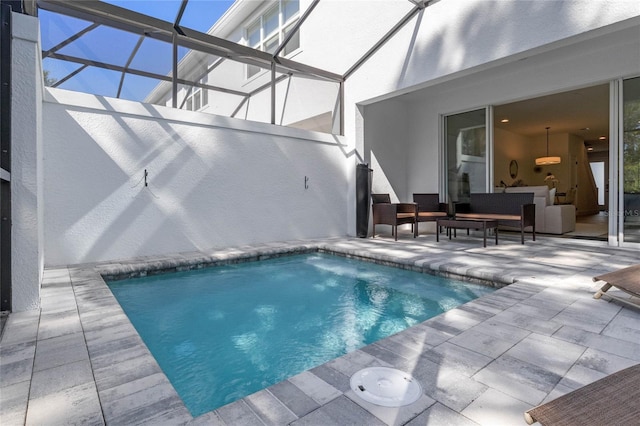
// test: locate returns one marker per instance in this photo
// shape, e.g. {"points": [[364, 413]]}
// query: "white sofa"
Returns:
{"points": [[550, 218]]}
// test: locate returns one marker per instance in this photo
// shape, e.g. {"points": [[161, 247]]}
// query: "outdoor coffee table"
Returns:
{"points": [[479, 224]]}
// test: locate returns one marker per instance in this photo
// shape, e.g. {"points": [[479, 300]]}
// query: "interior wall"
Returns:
{"points": [[573, 172], [602, 156], [586, 201], [211, 182], [510, 146]]}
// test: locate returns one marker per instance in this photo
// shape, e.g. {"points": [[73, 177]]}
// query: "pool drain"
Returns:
{"points": [[385, 386]]}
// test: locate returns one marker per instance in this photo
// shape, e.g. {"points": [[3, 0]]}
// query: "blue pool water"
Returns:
{"points": [[222, 333]]}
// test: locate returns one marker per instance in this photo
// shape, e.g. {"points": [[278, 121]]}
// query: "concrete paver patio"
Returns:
{"points": [[78, 360]]}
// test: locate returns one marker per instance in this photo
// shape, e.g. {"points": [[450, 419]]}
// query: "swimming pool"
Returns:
{"points": [[222, 333]]}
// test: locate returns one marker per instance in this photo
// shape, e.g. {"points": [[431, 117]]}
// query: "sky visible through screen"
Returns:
{"points": [[111, 46], [199, 15]]}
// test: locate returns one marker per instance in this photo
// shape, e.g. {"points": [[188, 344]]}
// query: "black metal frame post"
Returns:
{"points": [[5, 157], [363, 197]]}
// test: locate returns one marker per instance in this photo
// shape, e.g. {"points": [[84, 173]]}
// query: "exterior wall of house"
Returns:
{"points": [[300, 102], [212, 181], [454, 38], [297, 98], [27, 257], [386, 147], [578, 65], [463, 55]]}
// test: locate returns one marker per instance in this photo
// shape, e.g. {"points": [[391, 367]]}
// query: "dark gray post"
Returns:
{"points": [[5, 157], [363, 196]]}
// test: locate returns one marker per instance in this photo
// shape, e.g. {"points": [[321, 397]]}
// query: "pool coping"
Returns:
{"points": [[127, 385], [163, 265]]}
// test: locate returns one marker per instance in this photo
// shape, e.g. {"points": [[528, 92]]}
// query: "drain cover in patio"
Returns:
{"points": [[385, 386]]}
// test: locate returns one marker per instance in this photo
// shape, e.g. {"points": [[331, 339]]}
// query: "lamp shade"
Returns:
{"points": [[545, 161]]}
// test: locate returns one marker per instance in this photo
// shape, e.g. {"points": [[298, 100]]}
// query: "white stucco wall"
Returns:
{"points": [[453, 38], [581, 64], [213, 181], [26, 160], [463, 55], [297, 99], [386, 147]]}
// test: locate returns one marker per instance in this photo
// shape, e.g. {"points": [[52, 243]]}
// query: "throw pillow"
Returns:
{"points": [[552, 196]]}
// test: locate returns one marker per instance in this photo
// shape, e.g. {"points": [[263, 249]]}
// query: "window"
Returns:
{"points": [[271, 28], [197, 98]]}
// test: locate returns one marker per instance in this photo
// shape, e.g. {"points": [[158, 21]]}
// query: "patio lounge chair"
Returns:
{"points": [[626, 279], [387, 213], [612, 400], [429, 207]]}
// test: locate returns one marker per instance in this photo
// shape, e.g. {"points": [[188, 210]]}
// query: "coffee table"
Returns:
{"points": [[479, 224]]}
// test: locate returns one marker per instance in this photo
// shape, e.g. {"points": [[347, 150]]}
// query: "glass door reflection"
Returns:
{"points": [[631, 160], [466, 154]]}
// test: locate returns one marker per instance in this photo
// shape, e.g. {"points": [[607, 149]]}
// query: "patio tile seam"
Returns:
{"points": [[33, 366], [20, 407], [521, 381], [284, 405], [485, 334], [84, 336], [595, 345]]}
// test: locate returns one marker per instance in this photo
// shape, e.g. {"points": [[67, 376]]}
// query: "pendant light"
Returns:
{"points": [[545, 161]]}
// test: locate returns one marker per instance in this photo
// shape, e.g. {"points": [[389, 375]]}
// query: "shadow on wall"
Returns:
{"points": [[207, 185], [485, 31]]}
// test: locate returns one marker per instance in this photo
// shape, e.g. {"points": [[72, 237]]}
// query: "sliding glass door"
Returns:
{"points": [[630, 167], [466, 154]]}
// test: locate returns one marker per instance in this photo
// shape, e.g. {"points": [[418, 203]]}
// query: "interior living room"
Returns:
{"points": [[560, 141]]}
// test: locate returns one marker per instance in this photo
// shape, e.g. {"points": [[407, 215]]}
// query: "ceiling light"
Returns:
{"points": [[602, 138], [545, 161], [504, 120], [589, 148]]}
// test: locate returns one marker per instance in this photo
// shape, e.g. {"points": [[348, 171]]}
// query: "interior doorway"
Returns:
{"points": [[573, 126], [599, 175]]}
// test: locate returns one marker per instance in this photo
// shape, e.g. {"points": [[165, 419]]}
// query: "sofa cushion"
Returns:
{"points": [[538, 191], [499, 203], [432, 214], [488, 216]]}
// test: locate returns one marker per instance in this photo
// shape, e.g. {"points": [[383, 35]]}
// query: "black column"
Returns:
{"points": [[363, 196], [5, 156]]}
